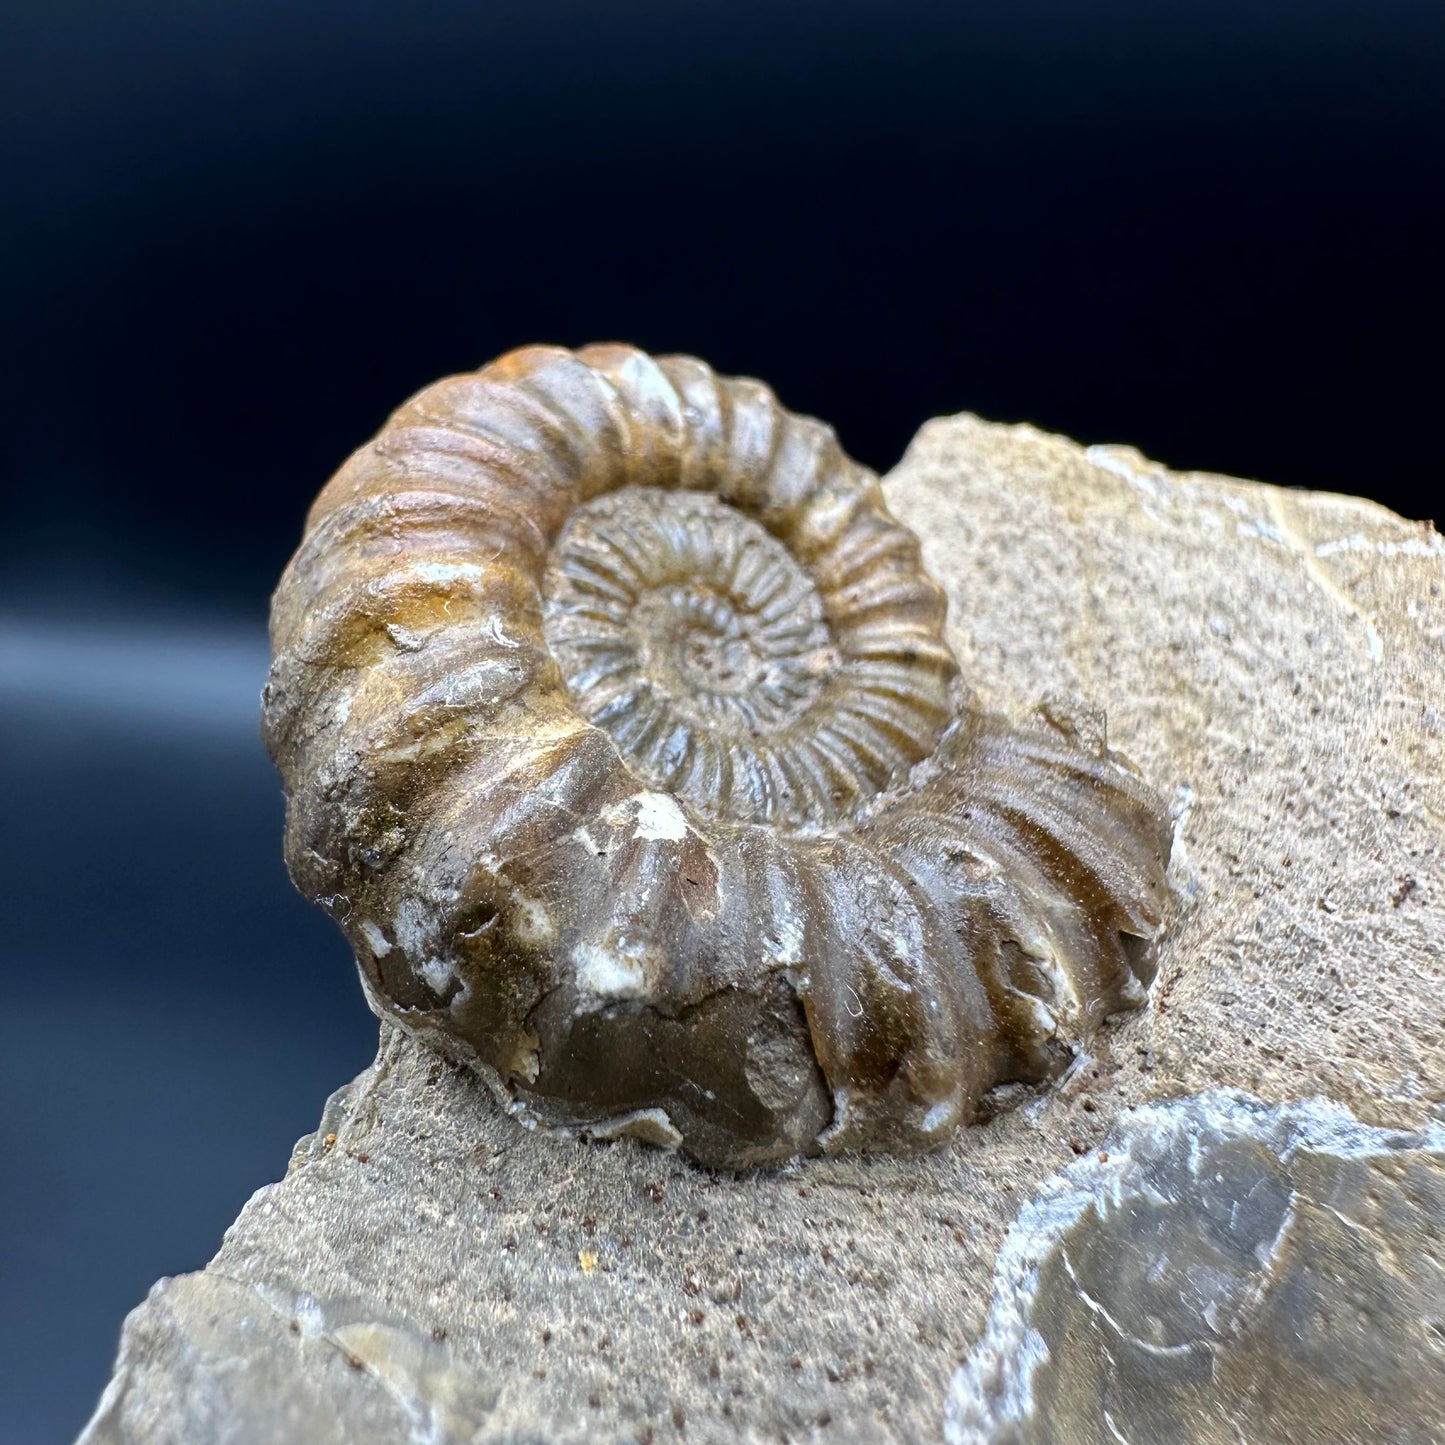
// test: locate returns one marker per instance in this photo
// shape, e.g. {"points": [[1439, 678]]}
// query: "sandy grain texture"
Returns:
{"points": [[1271, 660]]}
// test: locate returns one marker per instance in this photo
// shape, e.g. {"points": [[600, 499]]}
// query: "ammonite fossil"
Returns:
{"points": [[621, 739]]}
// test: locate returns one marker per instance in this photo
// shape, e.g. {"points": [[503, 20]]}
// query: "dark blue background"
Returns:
{"points": [[234, 234]]}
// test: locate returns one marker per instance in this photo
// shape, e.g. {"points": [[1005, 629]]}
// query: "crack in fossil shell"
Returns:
{"points": [[620, 737]]}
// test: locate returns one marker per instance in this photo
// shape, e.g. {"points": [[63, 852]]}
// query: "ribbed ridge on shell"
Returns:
{"points": [[620, 736]]}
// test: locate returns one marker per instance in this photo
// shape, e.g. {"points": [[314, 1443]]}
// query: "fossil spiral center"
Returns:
{"points": [[698, 645], [696, 639]]}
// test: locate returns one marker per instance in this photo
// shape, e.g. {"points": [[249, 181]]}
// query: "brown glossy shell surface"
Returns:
{"points": [[620, 737]]}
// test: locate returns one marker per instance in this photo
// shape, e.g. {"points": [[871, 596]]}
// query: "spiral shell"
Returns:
{"points": [[621, 739]]}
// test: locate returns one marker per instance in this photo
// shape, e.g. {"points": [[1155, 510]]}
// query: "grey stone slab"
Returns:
{"points": [[1271, 661], [1221, 1271]]}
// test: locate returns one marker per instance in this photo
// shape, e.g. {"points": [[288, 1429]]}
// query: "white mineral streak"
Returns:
{"points": [[1302, 958], [652, 1126], [941, 1115], [613, 971], [655, 817], [447, 571], [410, 928], [495, 631], [532, 921], [380, 943], [437, 972], [786, 941]]}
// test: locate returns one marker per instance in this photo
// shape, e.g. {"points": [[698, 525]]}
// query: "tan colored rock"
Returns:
{"points": [[1271, 658], [1277, 658]]}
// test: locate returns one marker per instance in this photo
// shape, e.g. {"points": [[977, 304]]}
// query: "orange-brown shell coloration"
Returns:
{"points": [[620, 738]]}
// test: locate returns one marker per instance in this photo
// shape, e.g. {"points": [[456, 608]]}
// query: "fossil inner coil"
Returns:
{"points": [[699, 643]]}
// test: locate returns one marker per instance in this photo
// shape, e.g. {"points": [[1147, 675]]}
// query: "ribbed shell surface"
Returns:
{"points": [[621, 739]]}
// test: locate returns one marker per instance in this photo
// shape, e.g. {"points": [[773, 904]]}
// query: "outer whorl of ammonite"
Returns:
{"points": [[620, 737]]}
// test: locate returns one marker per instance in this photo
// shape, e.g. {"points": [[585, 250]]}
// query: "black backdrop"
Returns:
{"points": [[235, 233]]}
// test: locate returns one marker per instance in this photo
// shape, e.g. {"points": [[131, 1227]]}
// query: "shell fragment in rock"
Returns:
{"points": [[620, 737]]}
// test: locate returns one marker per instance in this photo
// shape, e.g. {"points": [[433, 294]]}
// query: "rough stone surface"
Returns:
{"points": [[1270, 659], [1221, 1271]]}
